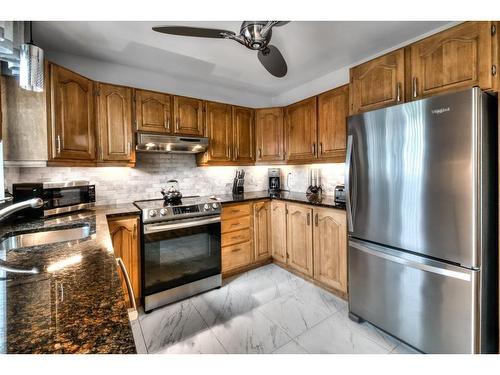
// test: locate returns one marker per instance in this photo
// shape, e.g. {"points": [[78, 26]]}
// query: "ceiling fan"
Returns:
{"points": [[255, 35]]}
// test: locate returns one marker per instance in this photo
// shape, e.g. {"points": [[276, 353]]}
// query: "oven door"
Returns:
{"points": [[180, 252]]}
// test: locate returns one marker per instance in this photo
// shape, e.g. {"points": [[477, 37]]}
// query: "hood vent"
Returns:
{"points": [[147, 142]]}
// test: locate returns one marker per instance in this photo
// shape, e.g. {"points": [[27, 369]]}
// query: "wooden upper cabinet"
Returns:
{"points": [[300, 130], [71, 116], [330, 248], [453, 59], [378, 83], [269, 133], [243, 135], [188, 116], [153, 111], [333, 109], [299, 238], [219, 131], [114, 122], [278, 230], [261, 228], [124, 233]]}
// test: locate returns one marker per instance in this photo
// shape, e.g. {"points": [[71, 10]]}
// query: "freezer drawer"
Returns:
{"points": [[428, 304]]}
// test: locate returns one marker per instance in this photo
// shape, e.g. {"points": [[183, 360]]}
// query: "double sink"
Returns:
{"points": [[43, 237]]}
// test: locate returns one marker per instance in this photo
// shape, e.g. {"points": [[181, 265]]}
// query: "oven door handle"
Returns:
{"points": [[154, 228]]}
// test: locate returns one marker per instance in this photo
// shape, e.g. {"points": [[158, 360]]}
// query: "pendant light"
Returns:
{"points": [[31, 65]]}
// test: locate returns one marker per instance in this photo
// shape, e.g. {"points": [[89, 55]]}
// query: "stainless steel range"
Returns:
{"points": [[181, 249]]}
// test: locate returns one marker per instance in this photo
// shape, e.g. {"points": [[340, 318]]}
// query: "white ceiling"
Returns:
{"points": [[312, 50]]}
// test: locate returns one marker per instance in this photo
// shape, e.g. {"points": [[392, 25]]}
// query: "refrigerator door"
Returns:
{"points": [[428, 304], [412, 176]]}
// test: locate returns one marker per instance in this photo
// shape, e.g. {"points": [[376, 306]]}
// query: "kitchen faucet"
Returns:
{"points": [[9, 210]]}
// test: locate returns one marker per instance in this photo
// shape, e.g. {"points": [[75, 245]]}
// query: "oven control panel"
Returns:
{"points": [[185, 209], [180, 212]]}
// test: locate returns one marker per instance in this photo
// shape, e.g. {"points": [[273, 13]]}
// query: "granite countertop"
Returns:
{"points": [[324, 201], [76, 303]]}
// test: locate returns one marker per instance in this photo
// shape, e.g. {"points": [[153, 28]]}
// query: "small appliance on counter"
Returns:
{"points": [[340, 195], [239, 182], [58, 197], [274, 176], [314, 188]]}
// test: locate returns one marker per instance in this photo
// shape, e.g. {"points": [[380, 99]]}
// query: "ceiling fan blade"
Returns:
{"points": [[281, 23], [272, 59], [193, 31]]}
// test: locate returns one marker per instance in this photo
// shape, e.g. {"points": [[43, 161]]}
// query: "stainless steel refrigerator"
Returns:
{"points": [[421, 181]]}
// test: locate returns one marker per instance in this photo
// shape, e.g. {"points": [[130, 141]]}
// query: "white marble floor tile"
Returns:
{"points": [[333, 336], [383, 339], [171, 324], [404, 349], [296, 312], [311, 293], [220, 305], [140, 344], [203, 342], [261, 290], [250, 333], [291, 348]]}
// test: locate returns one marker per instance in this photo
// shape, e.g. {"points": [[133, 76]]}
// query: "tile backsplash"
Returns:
{"points": [[152, 171]]}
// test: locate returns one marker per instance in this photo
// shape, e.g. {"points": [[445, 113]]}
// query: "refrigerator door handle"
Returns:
{"points": [[347, 183], [393, 256]]}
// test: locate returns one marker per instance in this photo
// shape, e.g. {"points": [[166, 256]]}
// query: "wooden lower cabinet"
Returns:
{"points": [[124, 233], [262, 227], [330, 248], [278, 231], [299, 245]]}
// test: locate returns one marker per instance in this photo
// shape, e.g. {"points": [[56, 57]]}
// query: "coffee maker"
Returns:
{"points": [[274, 175]]}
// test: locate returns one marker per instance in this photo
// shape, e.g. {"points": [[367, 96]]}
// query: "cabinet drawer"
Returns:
{"points": [[236, 256], [230, 212], [236, 237], [235, 224]]}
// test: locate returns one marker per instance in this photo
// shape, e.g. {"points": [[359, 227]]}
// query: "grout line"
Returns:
{"points": [[208, 325]]}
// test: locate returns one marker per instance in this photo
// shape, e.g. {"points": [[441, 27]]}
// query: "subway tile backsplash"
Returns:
{"points": [[152, 171]]}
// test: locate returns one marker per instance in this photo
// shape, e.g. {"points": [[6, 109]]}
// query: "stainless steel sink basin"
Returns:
{"points": [[44, 237]]}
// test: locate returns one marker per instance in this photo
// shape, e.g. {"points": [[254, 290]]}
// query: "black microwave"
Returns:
{"points": [[58, 197]]}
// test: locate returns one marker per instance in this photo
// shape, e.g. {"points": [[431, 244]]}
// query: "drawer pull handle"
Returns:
{"points": [[236, 237], [236, 250], [235, 224], [235, 211]]}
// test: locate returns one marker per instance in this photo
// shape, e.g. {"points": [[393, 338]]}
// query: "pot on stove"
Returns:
{"points": [[171, 193]]}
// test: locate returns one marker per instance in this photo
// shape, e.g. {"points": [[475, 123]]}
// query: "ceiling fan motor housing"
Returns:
{"points": [[251, 32]]}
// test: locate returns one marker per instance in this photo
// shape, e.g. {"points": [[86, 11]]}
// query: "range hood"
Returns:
{"points": [[148, 142]]}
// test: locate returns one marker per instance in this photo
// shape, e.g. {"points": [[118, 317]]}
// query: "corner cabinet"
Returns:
{"points": [[269, 134], [71, 124], [243, 135], [124, 233], [457, 58], [219, 130], [114, 124], [378, 83], [333, 109], [330, 248], [188, 116], [261, 228], [300, 131], [153, 111]]}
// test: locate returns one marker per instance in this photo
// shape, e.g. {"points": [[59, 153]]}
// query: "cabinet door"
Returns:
{"points": [[378, 83], [300, 130], [457, 58], [262, 227], [269, 134], [72, 125], [333, 109], [153, 111], [114, 122], [278, 231], [125, 239], [330, 248], [219, 131], [299, 238], [188, 115], [243, 135]]}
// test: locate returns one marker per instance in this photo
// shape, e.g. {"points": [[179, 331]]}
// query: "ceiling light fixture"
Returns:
{"points": [[31, 65]]}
